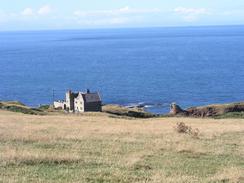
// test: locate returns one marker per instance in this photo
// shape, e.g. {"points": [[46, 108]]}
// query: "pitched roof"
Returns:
{"points": [[91, 97]]}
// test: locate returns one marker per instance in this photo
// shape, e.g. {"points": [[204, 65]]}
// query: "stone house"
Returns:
{"points": [[80, 102]]}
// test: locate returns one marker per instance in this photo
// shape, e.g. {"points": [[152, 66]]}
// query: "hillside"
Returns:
{"points": [[99, 147], [229, 110], [16, 106]]}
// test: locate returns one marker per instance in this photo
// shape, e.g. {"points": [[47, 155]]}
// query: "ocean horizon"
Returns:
{"points": [[191, 66]]}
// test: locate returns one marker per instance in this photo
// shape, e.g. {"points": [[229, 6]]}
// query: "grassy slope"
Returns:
{"points": [[117, 110], [229, 110], [97, 148], [236, 115], [16, 106]]}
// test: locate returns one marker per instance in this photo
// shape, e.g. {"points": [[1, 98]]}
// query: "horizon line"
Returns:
{"points": [[115, 28]]}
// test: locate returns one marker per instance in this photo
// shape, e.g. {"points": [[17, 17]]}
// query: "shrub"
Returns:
{"points": [[44, 107], [195, 133], [183, 128]]}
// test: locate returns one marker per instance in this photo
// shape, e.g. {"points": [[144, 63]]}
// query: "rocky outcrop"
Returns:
{"points": [[207, 111], [124, 111], [176, 110]]}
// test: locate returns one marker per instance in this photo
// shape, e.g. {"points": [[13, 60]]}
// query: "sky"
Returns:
{"points": [[82, 14]]}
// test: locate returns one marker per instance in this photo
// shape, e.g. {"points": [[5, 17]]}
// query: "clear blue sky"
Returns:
{"points": [[78, 14]]}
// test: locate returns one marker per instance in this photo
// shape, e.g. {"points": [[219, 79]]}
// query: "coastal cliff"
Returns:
{"points": [[207, 111]]}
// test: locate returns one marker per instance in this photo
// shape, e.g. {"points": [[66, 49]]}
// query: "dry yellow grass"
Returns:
{"points": [[95, 147]]}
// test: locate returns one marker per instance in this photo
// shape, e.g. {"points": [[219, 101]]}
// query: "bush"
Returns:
{"points": [[44, 107], [183, 128]]}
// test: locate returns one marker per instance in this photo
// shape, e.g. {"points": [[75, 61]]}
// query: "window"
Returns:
{"points": [[80, 108], [80, 102]]}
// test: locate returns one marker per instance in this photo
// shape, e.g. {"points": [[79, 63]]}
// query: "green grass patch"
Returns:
{"points": [[15, 106], [238, 115], [122, 157]]}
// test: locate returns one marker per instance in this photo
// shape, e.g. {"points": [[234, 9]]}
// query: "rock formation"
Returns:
{"points": [[176, 110], [207, 111]]}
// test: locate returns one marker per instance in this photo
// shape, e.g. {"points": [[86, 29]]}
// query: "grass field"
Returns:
{"points": [[103, 148]]}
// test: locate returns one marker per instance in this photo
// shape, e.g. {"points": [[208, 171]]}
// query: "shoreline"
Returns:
{"points": [[235, 110]]}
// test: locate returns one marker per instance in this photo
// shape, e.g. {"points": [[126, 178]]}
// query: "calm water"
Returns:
{"points": [[156, 66]]}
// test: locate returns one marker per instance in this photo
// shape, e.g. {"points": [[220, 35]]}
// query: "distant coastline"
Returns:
{"points": [[230, 110]]}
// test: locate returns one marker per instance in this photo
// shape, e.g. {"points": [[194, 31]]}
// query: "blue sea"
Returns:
{"points": [[149, 66]]}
